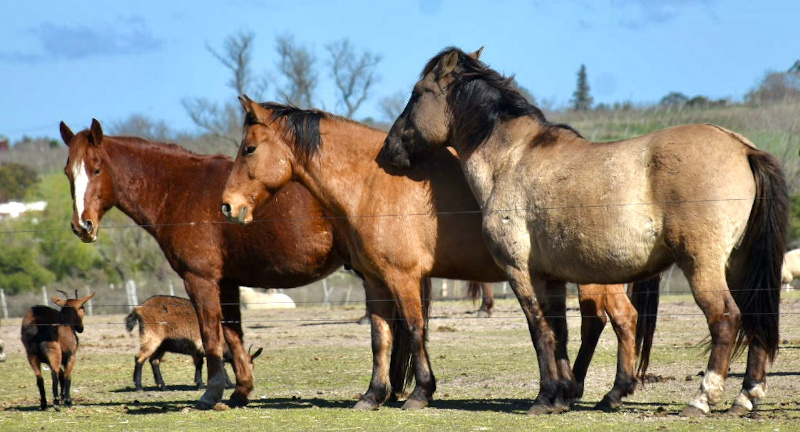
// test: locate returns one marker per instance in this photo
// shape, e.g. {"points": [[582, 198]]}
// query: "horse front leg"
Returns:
{"points": [[414, 315], [234, 336], [381, 310], [206, 300], [549, 400], [555, 309]]}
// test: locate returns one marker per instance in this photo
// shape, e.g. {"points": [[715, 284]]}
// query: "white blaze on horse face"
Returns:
{"points": [[81, 183]]}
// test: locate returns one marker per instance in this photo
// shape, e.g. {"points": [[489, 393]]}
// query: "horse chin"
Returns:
{"points": [[88, 238]]}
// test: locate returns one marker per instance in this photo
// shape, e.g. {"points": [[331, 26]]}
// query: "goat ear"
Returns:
{"points": [[66, 133], [58, 301], [256, 354], [85, 299]]}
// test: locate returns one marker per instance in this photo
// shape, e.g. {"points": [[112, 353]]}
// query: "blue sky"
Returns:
{"points": [[71, 61]]}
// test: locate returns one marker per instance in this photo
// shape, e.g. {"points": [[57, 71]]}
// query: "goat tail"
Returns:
{"points": [[132, 319]]}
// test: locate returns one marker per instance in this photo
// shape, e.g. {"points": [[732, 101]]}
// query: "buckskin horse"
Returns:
{"points": [[557, 207], [174, 195], [398, 229]]}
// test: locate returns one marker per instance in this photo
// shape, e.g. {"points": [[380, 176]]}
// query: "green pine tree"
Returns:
{"points": [[581, 99]]}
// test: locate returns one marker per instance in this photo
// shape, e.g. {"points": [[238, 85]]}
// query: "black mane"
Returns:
{"points": [[480, 96]]}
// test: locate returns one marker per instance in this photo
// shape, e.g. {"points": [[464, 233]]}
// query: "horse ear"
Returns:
{"points": [[96, 135], [66, 133], [448, 63], [477, 54], [246, 101]]}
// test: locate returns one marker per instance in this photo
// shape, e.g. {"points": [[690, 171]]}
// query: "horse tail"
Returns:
{"points": [[401, 370], [764, 242], [132, 319], [473, 290], [645, 296]]}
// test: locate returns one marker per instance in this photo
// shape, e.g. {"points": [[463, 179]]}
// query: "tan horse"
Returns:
{"points": [[791, 267], [557, 207], [398, 229]]}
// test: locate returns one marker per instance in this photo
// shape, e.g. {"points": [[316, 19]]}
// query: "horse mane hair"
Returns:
{"points": [[300, 126], [481, 96]]}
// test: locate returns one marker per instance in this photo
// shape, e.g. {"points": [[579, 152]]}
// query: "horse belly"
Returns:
{"points": [[594, 246]]}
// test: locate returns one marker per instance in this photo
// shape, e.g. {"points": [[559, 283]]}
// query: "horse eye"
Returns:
{"points": [[249, 150], [97, 171]]}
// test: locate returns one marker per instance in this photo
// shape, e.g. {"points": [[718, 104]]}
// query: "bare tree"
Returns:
{"points": [[222, 120], [296, 64], [353, 73], [140, 125], [392, 106]]}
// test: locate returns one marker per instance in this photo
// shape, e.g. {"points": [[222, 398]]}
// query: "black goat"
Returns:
{"points": [[50, 336]]}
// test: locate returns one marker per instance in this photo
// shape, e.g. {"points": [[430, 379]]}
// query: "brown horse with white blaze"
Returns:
{"points": [[174, 195], [557, 207], [398, 229]]}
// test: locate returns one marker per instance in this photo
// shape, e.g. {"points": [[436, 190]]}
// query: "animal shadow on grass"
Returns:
{"points": [[154, 389]]}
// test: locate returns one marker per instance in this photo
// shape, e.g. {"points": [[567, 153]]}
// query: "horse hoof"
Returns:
{"points": [[608, 405], [238, 400], [365, 405], [692, 411], [415, 404], [205, 404], [737, 410], [540, 410]]}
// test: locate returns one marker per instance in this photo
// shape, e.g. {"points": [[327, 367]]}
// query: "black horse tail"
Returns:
{"points": [[132, 319], [474, 290], [401, 370], [765, 243], [645, 296]]}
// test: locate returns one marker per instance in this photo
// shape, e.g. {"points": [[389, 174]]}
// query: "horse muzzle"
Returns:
{"points": [[240, 218], [397, 152], [86, 231]]}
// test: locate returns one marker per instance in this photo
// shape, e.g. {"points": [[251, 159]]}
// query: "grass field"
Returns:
{"points": [[318, 361]]}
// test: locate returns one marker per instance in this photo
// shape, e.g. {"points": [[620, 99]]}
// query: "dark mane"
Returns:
{"points": [[480, 96], [300, 126]]}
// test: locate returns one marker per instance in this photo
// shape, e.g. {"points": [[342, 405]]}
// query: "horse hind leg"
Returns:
{"points": [[593, 321], [623, 320], [711, 293]]}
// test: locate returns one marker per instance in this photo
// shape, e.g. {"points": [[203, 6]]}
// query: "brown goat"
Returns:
{"points": [[169, 324], [50, 336]]}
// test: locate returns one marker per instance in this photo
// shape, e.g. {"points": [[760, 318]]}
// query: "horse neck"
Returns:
{"points": [[502, 150], [345, 163], [142, 179]]}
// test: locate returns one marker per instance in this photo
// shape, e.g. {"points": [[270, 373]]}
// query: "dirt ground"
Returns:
{"points": [[458, 337]]}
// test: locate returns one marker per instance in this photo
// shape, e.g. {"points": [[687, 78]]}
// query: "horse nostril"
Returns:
{"points": [[74, 230], [89, 226], [226, 209]]}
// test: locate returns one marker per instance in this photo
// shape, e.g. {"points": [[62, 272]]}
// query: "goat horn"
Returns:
{"points": [[66, 296], [76, 294]]}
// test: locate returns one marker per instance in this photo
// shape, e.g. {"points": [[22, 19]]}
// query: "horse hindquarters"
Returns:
{"points": [[759, 282]]}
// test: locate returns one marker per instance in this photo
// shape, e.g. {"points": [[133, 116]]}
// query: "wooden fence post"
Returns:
{"points": [[3, 302]]}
